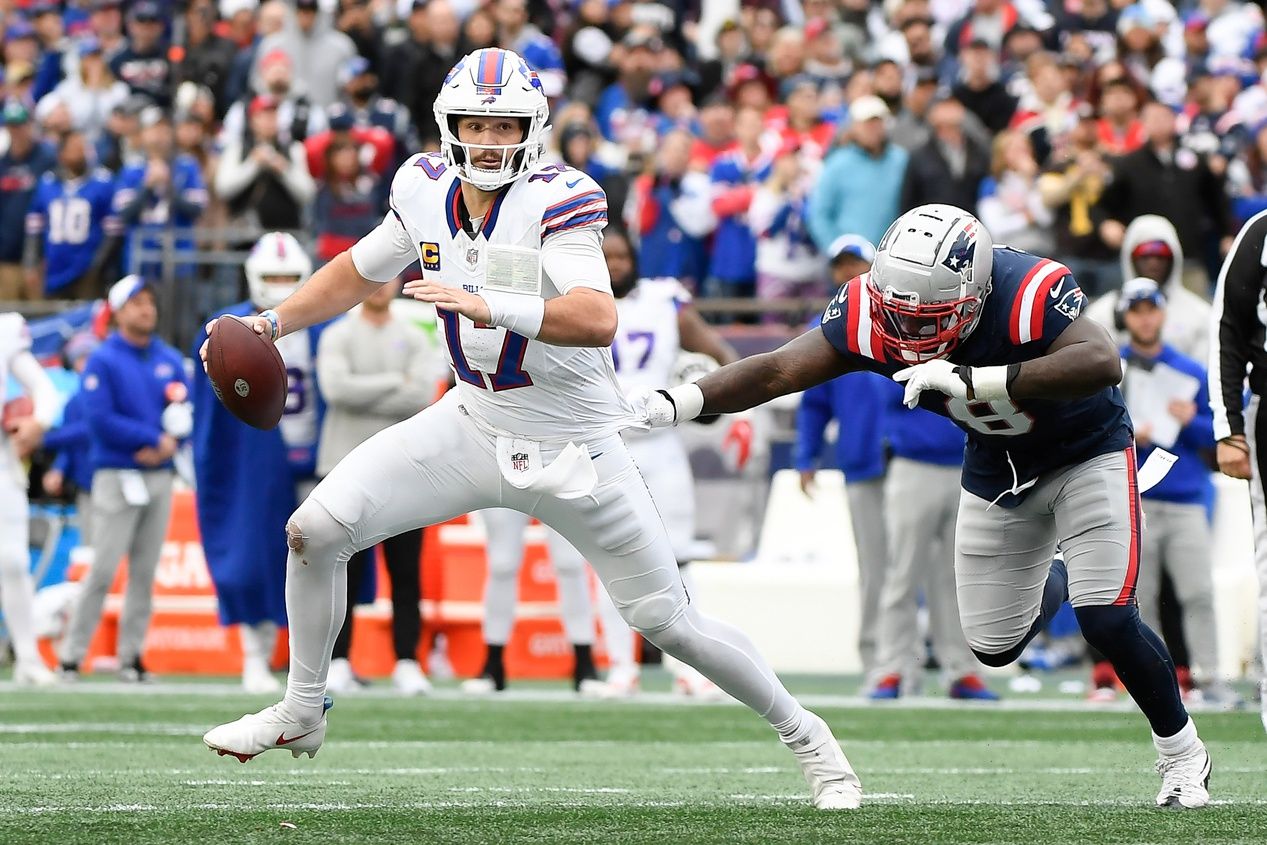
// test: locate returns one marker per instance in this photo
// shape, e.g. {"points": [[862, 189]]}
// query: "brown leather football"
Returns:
{"points": [[246, 372]]}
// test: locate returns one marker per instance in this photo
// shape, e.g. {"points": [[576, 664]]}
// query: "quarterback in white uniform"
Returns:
{"points": [[657, 324], [19, 436], [511, 256]]}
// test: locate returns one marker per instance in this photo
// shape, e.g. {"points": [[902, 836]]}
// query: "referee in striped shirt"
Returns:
{"points": [[1238, 348]]}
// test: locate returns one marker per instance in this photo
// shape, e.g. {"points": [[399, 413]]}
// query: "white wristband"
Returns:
{"points": [[520, 313], [688, 400], [989, 383]]}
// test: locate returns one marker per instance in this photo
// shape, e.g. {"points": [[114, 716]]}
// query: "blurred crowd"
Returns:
{"points": [[740, 139]]}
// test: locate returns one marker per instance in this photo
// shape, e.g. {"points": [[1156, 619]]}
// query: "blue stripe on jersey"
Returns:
{"points": [[491, 220], [451, 208], [577, 222], [562, 208]]}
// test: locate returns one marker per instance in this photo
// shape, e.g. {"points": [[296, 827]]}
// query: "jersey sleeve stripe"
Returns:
{"points": [[1020, 325], [561, 208], [1042, 288], [852, 317], [577, 222], [868, 341], [1014, 321]]}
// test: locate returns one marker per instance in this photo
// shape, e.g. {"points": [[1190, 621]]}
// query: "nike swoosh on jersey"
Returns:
{"points": [[574, 183], [1054, 293], [282, 740]]}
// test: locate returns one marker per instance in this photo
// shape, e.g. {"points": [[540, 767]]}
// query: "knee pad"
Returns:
{"points": [[654, 614], [1104, 624], [313, 533]]}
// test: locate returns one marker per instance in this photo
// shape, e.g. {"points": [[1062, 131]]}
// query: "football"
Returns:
{"points": [[246, 372]]}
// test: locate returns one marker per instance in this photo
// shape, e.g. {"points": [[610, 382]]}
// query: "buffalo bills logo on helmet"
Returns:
{"points": [[959, 258]]}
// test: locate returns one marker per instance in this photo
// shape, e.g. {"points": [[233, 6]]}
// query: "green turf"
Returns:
{"points": [[92, 766]]}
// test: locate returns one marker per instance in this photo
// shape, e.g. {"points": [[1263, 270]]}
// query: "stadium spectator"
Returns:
{"points": [[516, 33], [1120, 130], [359, 95], [375, 370], [105, 21], [144, 63], [298, 118], [801, 120], [888, 83], [376, 144], [980, 89], [19, 76], [911, 129], [786, 55], [788, 264], [1247, 179], [22, 165], [70, 476], [673, 104], [860, 187], [46, 20], [950, 167], [825, 59], [621, 111], [670, 213], [1047, 111], [207, 57], [716, 131], [1011, 207], [1071, 186], [120, 139], [856, 402], [162, 189], [310, 43], [90, 95], [735, 176], [479, 29], [71, 214], [137, 411], [579, 147], [350, 201], [987, 21], [1164, 178], [264, 180], [732, 51], [356, 21], [1178, 538], [270, 19], [420, 62]]}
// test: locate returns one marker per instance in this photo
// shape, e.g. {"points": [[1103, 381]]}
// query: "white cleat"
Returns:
{"points": [[593, 688], [1185, 780], [256, 733], [407, 678], [34, 674], [483, 685], [623, 683], [832, 780], [257, 680], [339, 678]]}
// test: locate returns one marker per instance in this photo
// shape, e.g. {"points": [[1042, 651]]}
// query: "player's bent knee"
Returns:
{"points": [[999, 659], [654, 614], [311, 530], [1105, 624]]}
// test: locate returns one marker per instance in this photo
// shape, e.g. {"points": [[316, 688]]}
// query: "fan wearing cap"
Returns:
{"points": [[860, 187], [735, 176], [46, 20], [136, 405], [1151, 248], [314, 47], [1169, 399], [91, 94], [619, 111], [70, 226], [21, 433], [144, 64], [359, 92], [21, 165], [263, 178], [105, 21], [516, 33]]}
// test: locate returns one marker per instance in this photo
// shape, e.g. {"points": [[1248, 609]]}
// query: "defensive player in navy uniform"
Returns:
{"points": [[994, 339]]}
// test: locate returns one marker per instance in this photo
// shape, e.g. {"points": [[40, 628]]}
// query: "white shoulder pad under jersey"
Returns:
{"points": [[647, 338]]}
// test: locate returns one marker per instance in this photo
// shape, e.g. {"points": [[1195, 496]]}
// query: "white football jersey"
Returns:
{"points": [[299, 417], [505, 381], [15, 338], [647, 340]]}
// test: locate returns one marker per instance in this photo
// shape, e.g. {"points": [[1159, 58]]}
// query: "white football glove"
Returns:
{"points": [[939, 375], [178, 419], [663, 408]]}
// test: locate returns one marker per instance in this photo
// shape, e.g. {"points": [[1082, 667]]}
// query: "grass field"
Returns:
{"points": [[107, 764]]}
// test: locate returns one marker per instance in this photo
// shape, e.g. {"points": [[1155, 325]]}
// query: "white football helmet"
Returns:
{"points": [[493, 82], [276, 266], [931, 274]]}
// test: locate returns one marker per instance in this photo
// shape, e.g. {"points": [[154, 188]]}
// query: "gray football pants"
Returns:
{"points": [[866, 514], [1177, 539], [921, 503], [118, 529], [1090, 511]]}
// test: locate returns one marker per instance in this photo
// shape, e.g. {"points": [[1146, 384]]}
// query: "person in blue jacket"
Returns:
{"points": [[1177, 536], [856, 403], [250, 481], [921, 504], [71, 472], [136, 405]]}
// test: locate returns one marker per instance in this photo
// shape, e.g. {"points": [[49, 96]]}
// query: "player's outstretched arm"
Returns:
{"points": [[797, 365], [331, 291], [1081, 361]]}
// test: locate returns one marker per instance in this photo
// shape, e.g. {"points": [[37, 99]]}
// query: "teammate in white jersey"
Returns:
{"points": [[657, 324], [19, 437], [511, 256]]}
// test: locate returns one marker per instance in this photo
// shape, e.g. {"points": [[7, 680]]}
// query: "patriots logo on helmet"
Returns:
{"points": [[959, 259]]}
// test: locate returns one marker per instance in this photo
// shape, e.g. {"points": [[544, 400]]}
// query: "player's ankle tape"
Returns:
{"points": [[520, 313]]}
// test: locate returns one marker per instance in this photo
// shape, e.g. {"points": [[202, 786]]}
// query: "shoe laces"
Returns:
{"points": [[1175, 771]]}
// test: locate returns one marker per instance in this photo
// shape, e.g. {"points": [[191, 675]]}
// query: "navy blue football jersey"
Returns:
{"points": [[1010, 442]]}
